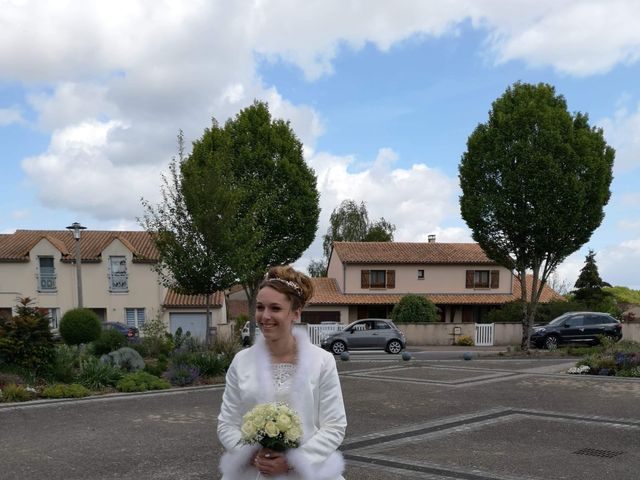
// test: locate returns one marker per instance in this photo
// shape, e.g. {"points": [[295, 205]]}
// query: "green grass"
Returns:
{"points": [[624, 294]]}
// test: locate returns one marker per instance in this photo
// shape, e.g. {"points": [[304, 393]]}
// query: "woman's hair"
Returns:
{"points": [[295, 285]]}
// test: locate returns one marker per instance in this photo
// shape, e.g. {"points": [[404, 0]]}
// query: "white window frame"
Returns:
{"points": [[134, 317], [44, 276], [118, 274]]}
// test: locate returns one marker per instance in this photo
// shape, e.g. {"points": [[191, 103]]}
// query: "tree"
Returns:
{"points": [[187, 263], [25, 340], [349, 222], [251, 196], [80, 325], [589, 286], [534, 180], [414, 309]]}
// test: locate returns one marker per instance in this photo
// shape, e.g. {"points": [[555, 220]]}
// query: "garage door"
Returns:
{"points": [[195, 323]]}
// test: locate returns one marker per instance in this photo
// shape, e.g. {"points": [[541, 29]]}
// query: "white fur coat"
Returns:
{"points": [[316, 396]]}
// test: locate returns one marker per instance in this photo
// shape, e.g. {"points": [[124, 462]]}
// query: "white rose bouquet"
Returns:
{"points": [[272, 425]]}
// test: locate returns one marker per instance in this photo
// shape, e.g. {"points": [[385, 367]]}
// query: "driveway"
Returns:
{"points": [[483, 419]]}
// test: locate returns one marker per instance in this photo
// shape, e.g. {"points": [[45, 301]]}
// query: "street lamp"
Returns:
{"points": [[76, 227]]}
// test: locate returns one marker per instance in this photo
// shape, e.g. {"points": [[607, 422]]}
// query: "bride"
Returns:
{"points": [[284, 366]]}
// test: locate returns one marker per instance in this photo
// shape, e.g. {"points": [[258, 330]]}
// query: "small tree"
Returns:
{"points": [[25, 340], [414, 309], [80, 325]]}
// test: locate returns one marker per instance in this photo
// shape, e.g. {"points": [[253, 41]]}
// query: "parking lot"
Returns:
{"points": [[436, 416]]}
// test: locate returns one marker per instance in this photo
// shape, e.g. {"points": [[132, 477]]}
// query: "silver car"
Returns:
{"points": [[366, 334]]}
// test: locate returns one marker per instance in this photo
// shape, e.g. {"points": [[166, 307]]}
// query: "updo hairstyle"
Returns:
{"points": [[295, 285]]}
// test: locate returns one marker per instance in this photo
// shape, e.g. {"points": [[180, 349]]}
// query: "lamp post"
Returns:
{"points": [[76, 227]]}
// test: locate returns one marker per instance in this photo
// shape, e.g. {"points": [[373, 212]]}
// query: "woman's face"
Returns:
{"points": [[274, 315]]}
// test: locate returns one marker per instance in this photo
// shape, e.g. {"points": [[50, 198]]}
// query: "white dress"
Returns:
{"points": [[311, 387]]}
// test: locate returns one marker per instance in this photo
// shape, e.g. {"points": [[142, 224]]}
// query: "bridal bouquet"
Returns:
{"points": [[272, 425]]}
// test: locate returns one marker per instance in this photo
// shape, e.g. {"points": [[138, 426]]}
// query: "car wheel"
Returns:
{"points": [[551, 342], [394, 346], [338, 347]]}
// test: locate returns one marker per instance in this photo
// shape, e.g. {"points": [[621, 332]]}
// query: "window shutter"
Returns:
{"points": [[470, 274], [364, 278], [391, 279], [495, 278]]}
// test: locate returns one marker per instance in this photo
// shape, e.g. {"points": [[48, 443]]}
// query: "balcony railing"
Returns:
{"points": [[47, 282]]}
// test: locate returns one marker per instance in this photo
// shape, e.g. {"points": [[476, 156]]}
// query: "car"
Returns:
{"points": [[246, 336], [576, 327], [130, 332], [366, 334]]}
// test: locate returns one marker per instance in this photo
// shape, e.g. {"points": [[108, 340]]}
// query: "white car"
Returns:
{"points": [[246, 336]]}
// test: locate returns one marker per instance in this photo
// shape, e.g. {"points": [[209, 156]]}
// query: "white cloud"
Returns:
{"points": [[9, 116], [623, 133], [619, 264]]}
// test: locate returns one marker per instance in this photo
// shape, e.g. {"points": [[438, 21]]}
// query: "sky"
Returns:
{"points": [[382, 94]]}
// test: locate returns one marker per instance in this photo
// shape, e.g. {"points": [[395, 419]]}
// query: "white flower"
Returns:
{"points": [[31, 389]]}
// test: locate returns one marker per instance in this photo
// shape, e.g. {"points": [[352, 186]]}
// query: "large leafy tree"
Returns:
{"points": [[187, 262], [535, 179], [349, 222], [251, 195]]}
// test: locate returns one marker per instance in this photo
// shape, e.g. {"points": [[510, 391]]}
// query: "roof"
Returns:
{"points": [[327, 292], [411, 253], [16, 247], [176, 300]]}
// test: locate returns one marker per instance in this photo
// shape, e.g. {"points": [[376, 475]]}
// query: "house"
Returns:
{"points": [[366, 280], [118, 280]]}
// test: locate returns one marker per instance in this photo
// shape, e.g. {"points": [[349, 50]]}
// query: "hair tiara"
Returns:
{"points": [[288, 283]]}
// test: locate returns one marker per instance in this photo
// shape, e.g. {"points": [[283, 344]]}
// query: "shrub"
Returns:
{"points": [[414, 309], [96, 375], [141, 382], [156, 366], [17, 393], [227, 349], [108, 341], [80, 325], [59, 390], [156, 339], [25, 340], [182, 375], [465, 341], [64, 364], [125, 358], [209, 363]]}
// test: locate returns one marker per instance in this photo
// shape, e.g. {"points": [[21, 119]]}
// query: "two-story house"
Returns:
{"points": [[366, 280], [118, 281]]}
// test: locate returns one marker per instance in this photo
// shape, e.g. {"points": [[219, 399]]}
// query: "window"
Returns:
{"points": [[378, 279], [134, 317], [482, 279], [118, 278], [46, 275], [420, 274]]}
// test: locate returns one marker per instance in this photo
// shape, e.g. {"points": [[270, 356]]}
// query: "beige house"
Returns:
{"points": [[366, 280], [118, 281]]}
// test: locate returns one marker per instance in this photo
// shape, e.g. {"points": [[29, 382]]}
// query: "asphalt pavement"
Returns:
{"points": [[436, 416]]}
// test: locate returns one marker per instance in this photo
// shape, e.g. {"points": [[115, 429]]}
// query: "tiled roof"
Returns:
{"points": [[326, 292], [177, 300], [15, 247], [410, 253]]}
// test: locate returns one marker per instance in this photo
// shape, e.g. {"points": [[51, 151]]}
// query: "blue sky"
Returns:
{"points": [[383, 96]]}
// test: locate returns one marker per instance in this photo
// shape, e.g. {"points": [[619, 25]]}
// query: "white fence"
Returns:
{"points": [[317, 332], [484, 335]]}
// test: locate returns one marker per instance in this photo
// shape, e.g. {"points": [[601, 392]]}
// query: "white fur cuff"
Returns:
{"points": [[330, 469], [235, 464]]}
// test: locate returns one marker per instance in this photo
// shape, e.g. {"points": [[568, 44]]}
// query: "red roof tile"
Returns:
{"points": [[326, 292], [15, 247], [177, 300], [410, 253]]}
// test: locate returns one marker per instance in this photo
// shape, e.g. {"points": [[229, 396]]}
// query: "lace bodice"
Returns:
{"points": [[282, 374]]}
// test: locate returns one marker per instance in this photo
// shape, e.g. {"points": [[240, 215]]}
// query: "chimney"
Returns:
{"points": [[431, 239]]}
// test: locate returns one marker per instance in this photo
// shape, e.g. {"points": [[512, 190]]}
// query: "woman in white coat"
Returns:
{"points": [[283, 366]]}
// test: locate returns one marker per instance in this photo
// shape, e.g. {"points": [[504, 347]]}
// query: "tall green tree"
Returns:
{"points": [[251, 195], [187, 263], [349, 222], [535, 179]]}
